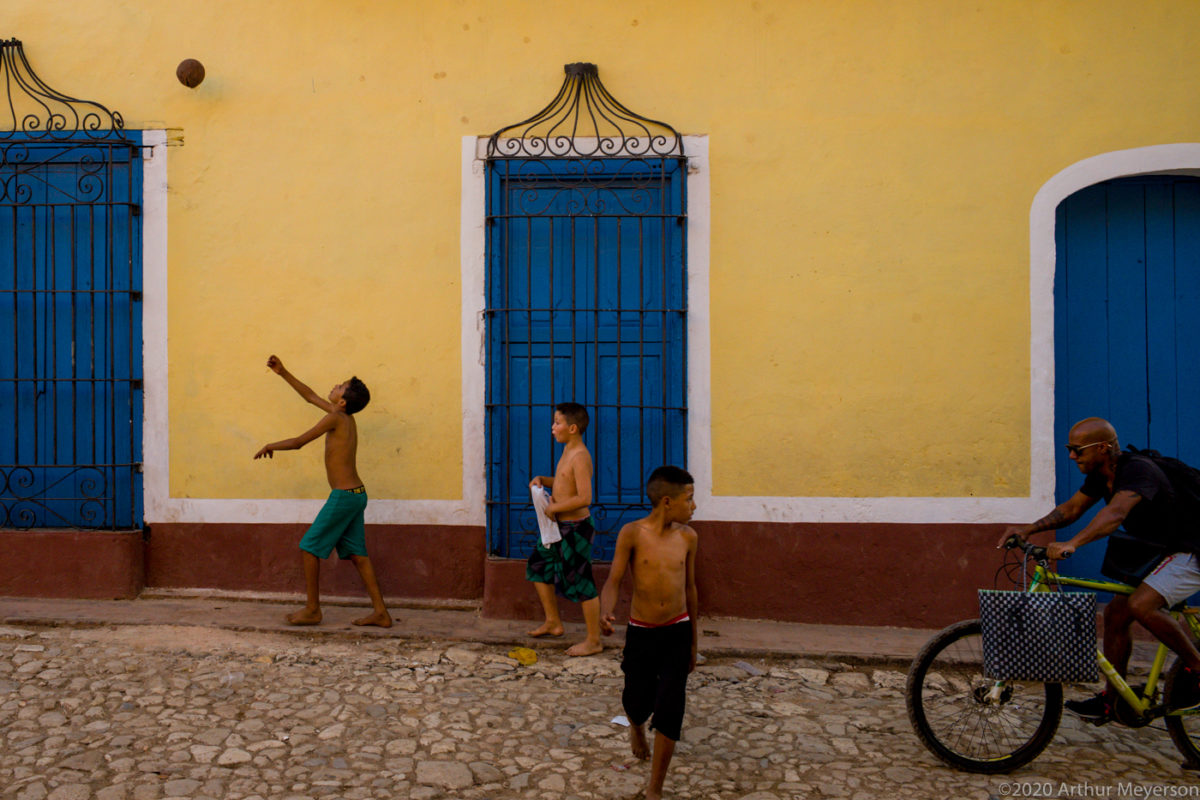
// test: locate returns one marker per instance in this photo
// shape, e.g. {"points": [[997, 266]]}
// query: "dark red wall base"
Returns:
{"points": [[507, 595], [921, 576], [95, 565], [409, 560], [831, 573]]}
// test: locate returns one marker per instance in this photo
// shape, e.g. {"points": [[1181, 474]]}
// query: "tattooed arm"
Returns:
{"points": [[1104, 523], [1060, 517]]}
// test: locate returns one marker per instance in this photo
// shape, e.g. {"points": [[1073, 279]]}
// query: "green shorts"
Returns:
{"points": [[339, 524], [568, 563]]}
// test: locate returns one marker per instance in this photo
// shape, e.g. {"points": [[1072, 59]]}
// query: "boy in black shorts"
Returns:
{"points": [[660, 642]]}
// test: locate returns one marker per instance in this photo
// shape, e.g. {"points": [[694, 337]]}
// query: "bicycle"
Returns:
{"points": [[978, 724]]}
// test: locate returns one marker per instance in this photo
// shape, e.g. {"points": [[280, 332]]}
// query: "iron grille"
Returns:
{"points": [[586, 302]]}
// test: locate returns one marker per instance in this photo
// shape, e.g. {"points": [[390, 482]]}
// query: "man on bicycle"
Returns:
{"points": [[1138, 495]]}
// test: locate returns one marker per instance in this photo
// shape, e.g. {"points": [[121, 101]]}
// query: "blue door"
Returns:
{"points": [[70, 332], [1127, 327], [586, 302]]}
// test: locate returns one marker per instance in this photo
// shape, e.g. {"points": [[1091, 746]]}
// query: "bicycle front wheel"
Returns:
{"points": [[973, 722], [1184, 726]]}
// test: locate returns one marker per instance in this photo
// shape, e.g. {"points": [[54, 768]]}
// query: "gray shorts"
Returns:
{"points": [[1176, 578]]}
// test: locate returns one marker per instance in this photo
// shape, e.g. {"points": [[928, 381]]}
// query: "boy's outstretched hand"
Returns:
{"points": [[266, 452], [275, 365]]}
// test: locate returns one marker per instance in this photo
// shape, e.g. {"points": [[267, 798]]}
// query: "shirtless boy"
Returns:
{"points": [[566, 566], [660, 641], [340, 522]]}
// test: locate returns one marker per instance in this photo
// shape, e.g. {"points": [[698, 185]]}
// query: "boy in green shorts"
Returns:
{"points": [[340, 522]]}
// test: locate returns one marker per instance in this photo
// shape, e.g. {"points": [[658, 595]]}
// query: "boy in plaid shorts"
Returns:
{"points": [[565, 566]]}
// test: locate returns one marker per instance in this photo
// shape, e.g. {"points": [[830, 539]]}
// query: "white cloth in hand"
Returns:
{"points": [[547, 526]]}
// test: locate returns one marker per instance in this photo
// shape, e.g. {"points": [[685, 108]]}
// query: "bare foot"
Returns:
{"points": [[305, 616], [585, 648], [380, 618], [637, 742], [547, 629]]}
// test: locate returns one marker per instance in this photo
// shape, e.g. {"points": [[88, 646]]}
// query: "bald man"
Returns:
{"points": [[1138, 496]]}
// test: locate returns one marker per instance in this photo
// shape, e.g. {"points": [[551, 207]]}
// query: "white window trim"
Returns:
{"points": [[160, 506], [474, 298], [700, 454]]}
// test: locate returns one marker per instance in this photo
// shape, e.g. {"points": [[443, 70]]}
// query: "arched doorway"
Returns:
{"points": [[1126, 321]]}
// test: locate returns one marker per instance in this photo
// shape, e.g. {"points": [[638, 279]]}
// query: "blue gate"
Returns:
{"points": [[586, 303], [70, 310], [1126, 328]]}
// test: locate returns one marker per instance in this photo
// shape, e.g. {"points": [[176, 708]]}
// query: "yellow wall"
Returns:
{"points": [[872, 166]]}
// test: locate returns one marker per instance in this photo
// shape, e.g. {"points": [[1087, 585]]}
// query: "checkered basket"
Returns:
{"points": [[1048, 637]]}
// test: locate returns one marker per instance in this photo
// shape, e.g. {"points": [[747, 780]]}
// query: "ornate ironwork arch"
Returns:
{"points": [[584, 120], [37, 110]]}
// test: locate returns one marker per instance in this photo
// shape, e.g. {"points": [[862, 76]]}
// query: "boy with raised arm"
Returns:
{"points": [[340, 522], [566, 566], [660, 641]]}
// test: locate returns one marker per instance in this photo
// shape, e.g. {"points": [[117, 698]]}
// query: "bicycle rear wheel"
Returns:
{"points": [[1185, 727], [970, 721]]}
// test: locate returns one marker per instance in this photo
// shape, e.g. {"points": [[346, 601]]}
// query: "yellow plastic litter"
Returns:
{"points": [[523, 655]]}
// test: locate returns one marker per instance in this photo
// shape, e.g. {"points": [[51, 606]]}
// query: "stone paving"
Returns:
{"points": [[153, 712]]}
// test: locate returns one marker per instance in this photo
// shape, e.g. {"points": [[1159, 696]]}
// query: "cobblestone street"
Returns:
{"points": [[149, 712]]}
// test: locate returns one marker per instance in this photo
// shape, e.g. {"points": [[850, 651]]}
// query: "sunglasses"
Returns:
{"points": [[1076, 449]]}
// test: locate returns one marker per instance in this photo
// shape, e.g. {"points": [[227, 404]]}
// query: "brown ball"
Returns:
{"points": [[190, 72]]}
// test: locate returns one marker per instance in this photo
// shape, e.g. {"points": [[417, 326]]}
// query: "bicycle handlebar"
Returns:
{"points": [[1034, 551]]}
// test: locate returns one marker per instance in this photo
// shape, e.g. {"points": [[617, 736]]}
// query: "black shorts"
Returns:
{"points": [[656, 664]]}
